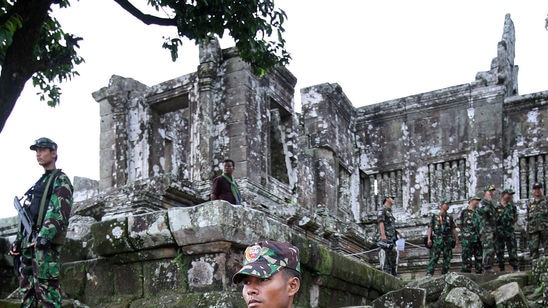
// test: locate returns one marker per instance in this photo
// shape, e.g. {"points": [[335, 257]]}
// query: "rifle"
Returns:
{"points": [[24, 217]]}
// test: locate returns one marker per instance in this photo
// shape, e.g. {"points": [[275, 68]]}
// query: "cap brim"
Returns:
{"points": [[257, 269]]}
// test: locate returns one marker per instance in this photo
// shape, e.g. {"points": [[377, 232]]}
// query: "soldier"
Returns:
{"points": [[271, 274], [49, 203], [469, 224], [507, 215], [442, 237], [537, 222], [389, 235], [487, 228]]}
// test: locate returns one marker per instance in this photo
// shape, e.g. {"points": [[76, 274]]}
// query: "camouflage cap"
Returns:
{"points": [[446, 201], [266, 258], [537, 185], [44, 143], [489, 187], [386, 196], [474, 197], [508, 191]]}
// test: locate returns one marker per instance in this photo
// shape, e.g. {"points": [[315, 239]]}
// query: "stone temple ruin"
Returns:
{"points": [[146, 233]]}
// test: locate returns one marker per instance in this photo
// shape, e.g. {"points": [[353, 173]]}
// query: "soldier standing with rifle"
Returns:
{"points": [[47, 204], [469, 224]]}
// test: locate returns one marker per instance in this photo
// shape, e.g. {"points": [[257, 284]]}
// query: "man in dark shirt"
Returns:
{"points": [[224, 186]]}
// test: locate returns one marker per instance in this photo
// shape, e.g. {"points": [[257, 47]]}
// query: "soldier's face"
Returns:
{"points": [[474, 203], [507, 197], [46, 157], [537, 192]]}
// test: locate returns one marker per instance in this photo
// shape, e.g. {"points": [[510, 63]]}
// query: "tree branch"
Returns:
{"points": [[145, 18]]}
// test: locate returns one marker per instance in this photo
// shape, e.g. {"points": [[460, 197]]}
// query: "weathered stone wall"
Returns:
{"points": [[316, 178]]}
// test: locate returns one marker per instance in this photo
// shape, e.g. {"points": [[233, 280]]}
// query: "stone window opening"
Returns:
{"points": [[278, 146], [447, 180], [374, 186], [532, 169]]}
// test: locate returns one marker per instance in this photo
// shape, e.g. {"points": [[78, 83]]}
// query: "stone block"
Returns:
{"points": [[128, 280], [406, 297], [521, 278], [73, 279], [181, 299], [454, 280], [462, 298], [434, 286], [165, 276], [111, 237], [99, 282], [149, 230], [510, 295]]}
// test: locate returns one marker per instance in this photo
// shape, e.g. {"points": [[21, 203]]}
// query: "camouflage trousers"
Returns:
{"points": [[471, 248], [390, 261], [440, 245], [39, 281], [488, 243], [537, 240], [506, 238]]}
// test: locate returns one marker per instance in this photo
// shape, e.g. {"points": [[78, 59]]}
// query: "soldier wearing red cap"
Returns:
{"points": [[271, 274]]}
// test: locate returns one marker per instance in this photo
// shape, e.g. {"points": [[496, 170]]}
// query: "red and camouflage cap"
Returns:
{"points": [[266, 258]]}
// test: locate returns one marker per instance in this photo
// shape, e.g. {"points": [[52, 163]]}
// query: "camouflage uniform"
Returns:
{"points": [[442, 238], [470, 240], [505, 235], [40, 264], [487, 230], [537, 226], [385, 215]]}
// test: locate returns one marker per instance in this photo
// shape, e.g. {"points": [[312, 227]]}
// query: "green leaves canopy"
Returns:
{"points": [[34, 45]]}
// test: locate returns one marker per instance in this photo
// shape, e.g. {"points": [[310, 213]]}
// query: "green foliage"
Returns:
{"points": [[51, 57], [256, 27], [56, 49]]}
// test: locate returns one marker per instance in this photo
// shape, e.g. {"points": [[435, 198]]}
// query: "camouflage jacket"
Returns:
{"points": [[57, 207], [469, 222], [385, 215], [442, 225], [537, 215], [506, 215], [487, 216]]}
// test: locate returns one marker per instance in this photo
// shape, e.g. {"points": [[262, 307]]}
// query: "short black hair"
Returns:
{"points": [[228, 160], [290, 273]]}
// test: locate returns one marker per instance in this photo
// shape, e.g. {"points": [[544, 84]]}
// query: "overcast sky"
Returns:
{"points": [[376, 51]]}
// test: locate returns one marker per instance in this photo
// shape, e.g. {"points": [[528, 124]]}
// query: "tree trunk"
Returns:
{"points": [[20, 64]]}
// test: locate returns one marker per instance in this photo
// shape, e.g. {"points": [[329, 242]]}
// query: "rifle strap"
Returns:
{"points": [[44, 198]]}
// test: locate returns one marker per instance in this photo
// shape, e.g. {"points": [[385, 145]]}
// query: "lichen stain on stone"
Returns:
{"points": [[117, 232], [200, 273]]}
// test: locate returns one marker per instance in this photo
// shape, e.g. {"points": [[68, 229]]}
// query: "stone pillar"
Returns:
{"points": [[115, 101], [201, 112]]}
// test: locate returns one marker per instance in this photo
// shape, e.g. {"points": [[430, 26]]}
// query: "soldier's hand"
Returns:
{"points": [[41, 243], [383, 238], [14, 250]]}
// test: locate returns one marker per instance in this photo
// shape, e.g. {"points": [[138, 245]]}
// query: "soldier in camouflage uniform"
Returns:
{"points": [[469, 224], [487, 228], [442, 237], [537, 222], [271, 274], [39, 252], [507, 215], [388, 234]]}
